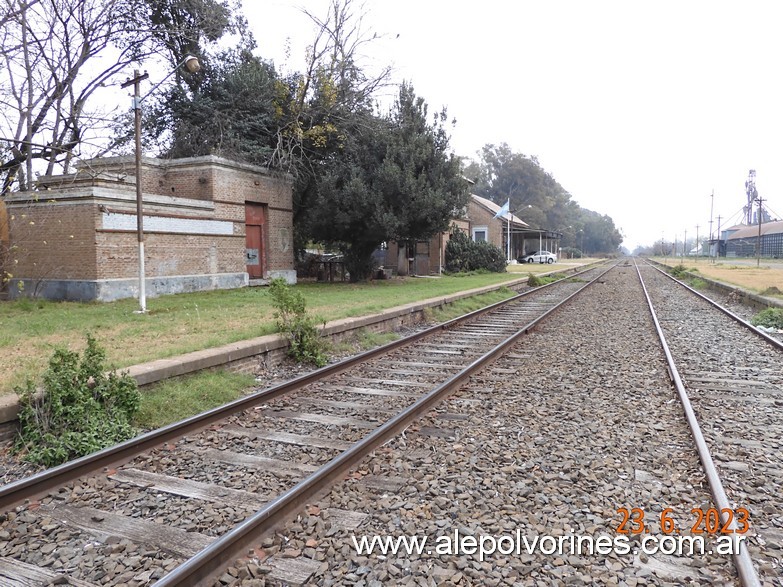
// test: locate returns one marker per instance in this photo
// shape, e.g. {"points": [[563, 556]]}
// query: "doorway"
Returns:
{"points": [[255, 239]]}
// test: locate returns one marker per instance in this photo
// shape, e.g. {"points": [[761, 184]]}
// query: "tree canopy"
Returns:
{"points": [[538, 199], [393, 179], [361, 176]]}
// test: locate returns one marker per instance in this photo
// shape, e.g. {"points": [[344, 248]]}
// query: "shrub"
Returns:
{"points": [[678, 271], [80, 409], [539, 280], [306, 346], [770, 318], [463, 254]]}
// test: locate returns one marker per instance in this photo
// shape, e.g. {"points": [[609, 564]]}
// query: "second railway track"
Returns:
{"points": [[574, 430]]}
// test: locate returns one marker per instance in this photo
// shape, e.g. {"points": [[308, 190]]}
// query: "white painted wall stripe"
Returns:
{"points": [[114, 221]]}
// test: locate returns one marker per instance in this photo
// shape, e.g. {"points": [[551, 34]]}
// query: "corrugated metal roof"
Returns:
{"points": [[751, 230]]}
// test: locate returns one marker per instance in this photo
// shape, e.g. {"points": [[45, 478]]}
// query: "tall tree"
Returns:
{"points": [[194, 27], [534, 193], [332, 97], [540, 200], [232, 113], [393, 180]]}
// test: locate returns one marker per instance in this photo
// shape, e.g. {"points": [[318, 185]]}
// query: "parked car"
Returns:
{"points": [[539, 257]]}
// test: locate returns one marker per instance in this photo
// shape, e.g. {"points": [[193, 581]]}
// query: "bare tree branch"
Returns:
{"points": [[49, 51]]}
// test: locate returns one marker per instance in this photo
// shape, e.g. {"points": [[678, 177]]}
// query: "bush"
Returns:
{"points": [[306, 345], [770, 318], [539, 280], [678, 271], [571, 253], [463, 254], [80, 409]]}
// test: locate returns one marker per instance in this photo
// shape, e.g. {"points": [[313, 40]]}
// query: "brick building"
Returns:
{"points": [[209, 223], [477, 221]]}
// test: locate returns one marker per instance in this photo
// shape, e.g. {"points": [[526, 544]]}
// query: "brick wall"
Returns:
{"points": [[53, 240], [480, 216], [194, 213]]}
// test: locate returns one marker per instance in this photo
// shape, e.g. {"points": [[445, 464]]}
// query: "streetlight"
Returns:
{"points": [[192, 64]]}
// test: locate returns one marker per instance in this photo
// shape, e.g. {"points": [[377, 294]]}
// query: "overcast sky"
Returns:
{"points": [[640, 110]]}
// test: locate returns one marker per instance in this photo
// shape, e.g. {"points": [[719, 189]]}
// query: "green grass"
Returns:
{"points": [[31, 329], [466, 305], [363, 340], [183, 397], [771, 318]]}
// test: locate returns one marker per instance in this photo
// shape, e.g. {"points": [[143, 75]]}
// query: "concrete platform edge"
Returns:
{"points": [[160, 369]]}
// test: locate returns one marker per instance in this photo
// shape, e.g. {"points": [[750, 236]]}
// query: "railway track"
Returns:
{"points": [[588, 439], [175, 506], [732, 374], [588, 436]]}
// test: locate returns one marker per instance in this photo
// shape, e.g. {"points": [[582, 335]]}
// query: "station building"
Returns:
{"points": [[480, 222], [209, 223]]}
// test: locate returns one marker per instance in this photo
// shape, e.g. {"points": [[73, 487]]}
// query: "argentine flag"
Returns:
{"points": [[504, 210]]}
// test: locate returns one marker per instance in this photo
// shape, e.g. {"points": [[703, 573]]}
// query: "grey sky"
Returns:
{"points": [[639, 109]]}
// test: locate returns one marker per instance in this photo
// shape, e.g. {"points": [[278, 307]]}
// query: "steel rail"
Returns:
{"points": [[742, 560], [41, 483], [210, 561], [770, 339]]}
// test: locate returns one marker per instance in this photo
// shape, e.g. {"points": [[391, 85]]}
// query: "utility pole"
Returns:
{"points": [[134, 81], [192, 64], [685, 245], [712, 205], [719, 239], [697, 243], [758, 240]]}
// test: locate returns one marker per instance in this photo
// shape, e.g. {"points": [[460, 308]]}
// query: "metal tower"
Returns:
{"points": [[750, 190]]}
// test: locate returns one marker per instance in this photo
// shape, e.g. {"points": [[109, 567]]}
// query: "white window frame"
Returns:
{"points": [[484, 229]]}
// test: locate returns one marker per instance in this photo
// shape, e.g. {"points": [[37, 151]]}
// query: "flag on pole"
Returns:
{"points": [[504, 210]]}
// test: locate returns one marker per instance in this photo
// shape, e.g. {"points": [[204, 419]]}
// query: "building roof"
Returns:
{"points": [[752, 230], [494, 208]]}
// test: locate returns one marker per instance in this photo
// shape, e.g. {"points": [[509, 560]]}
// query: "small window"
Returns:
{"points": [[480, 234]]}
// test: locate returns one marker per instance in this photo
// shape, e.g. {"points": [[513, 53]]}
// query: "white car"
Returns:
{"points": [[539, 257]]}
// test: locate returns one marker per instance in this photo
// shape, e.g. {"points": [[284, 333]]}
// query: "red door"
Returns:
{"points": [[255, 232]]}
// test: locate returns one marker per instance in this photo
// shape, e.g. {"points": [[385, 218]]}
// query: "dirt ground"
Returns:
{"points": [[740, 272]]}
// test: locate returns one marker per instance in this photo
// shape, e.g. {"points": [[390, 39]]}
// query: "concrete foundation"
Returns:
{"points": [[109, 290]]}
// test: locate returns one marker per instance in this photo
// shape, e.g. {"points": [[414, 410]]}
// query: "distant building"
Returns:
{"points": [[742, 240], [209, 223], [478, 221]]}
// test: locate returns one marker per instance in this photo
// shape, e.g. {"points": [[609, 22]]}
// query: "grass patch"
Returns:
{"points": [[364, 340], [460, 307], [539, 280], [770, 318], [746, 276], [175, 399], [697, 283], [30, 330]]}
